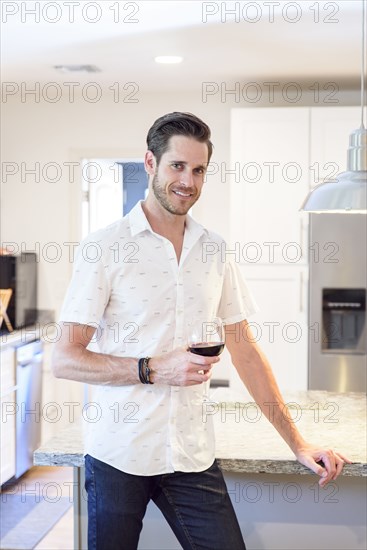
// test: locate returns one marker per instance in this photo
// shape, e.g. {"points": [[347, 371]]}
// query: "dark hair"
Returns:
{"points": [[174, 124]]}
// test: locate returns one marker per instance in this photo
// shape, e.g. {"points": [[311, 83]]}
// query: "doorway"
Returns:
{"points": [[110, 189]]}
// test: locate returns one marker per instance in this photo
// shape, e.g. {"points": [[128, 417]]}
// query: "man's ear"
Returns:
{"points": [[150, 163]]}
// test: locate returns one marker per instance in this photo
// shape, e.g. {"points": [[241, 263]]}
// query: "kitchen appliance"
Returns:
{"points": [[337, 303], [20, 274], [29, 359]]}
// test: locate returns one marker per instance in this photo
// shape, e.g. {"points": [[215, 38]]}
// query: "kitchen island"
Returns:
{"points": [[278, 501]]}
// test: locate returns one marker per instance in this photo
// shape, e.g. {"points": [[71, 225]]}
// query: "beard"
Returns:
{"points": [[163, 199]]}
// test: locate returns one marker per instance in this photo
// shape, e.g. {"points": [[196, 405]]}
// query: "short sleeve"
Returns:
{"points": [[237, 302], [89, 290]]}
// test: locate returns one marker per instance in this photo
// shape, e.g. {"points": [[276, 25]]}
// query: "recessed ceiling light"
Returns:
{"points": [[168, 59], [77, 68]]}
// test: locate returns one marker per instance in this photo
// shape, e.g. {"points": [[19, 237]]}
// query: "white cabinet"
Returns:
{"points": [[270, 149], [7, 430], [269, 160]]}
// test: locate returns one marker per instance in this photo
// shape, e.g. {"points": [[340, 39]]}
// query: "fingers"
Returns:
{"points": [[339, 467], [340, 460], [200, 367], [333, 465], [344, 458], [329, 469], [201, 359], [200, 377]]}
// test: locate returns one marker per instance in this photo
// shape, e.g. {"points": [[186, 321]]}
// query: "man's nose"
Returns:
{"points": [[187, 179]]}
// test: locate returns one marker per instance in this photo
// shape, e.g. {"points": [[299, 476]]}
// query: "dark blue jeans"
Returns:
{"points": [[196, 506]]}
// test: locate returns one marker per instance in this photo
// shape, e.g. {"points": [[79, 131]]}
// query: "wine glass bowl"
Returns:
{"points": [[206, 337]]}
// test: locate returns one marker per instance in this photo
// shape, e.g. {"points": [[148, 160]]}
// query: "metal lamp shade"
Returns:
{"points": [[345, 193]]}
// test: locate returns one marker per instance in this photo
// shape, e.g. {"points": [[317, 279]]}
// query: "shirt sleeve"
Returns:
{"points": [[89, 290], [237, 302]]}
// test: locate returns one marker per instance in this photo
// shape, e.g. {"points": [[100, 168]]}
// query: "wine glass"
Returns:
{"points": [[206, 337]]}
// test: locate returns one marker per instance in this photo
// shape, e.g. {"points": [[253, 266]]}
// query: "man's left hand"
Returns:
{"points": [[331, 462]]}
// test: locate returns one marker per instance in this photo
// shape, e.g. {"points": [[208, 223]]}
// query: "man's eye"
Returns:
{"points": [[176, 165]]}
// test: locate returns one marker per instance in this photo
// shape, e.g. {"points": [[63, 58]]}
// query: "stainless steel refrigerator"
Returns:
{"points": [[337, 302]]}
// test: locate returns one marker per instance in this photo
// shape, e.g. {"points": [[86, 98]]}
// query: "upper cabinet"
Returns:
{"points": [[270, 160]]}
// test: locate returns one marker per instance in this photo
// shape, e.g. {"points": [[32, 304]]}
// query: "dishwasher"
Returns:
{"points": [[29, 358]]}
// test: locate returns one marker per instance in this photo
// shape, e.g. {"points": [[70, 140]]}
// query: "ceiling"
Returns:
{"points": [[323, 43]]}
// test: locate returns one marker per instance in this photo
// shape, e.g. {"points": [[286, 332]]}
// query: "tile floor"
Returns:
{"points": [[54, 480]]}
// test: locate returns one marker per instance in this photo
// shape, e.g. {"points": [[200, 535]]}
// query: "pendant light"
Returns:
{"points": [[347, 192]]}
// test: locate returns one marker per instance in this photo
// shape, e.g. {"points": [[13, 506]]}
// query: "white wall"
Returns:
{"points": [[43, 212]]}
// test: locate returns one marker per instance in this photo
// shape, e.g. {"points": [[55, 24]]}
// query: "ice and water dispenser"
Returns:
{"points": [[344, 320]]}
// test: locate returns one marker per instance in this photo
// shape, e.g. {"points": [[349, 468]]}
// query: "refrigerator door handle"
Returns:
{"points": [[301, 236], [301, 292]]}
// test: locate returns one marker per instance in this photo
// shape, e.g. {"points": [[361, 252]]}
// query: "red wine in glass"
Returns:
{"points": [[209, 349], [206, 337]]}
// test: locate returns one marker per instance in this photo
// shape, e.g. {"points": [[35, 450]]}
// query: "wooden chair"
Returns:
{"points": [[5, 296]]}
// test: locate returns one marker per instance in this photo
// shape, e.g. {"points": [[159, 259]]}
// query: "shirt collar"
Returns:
{"points": [[138, 220], [139, 223]]}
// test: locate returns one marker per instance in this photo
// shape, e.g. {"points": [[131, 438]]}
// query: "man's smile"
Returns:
{"points": [[183, 194]]}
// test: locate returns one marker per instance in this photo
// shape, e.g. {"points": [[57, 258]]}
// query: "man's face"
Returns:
{"points": [[179, 177]]}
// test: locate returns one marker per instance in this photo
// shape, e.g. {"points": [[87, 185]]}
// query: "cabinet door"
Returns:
{"points": [[270, 164], [7, 415], [7, 371], [7, 437], [280, 327]]}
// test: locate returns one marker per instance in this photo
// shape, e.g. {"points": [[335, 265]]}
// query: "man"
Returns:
{"points": [[136, 285]]}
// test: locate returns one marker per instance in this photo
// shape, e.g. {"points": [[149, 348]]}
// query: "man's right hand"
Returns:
{"points": [[181, 368]]}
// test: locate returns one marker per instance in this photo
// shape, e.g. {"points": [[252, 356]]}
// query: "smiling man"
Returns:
{"points": [[150, 442]]}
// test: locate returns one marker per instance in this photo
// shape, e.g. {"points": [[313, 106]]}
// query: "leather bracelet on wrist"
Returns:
{"points": [[144, 370]]}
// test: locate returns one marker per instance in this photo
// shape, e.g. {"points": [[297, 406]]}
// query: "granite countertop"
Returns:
{"points": [[245, 440]]}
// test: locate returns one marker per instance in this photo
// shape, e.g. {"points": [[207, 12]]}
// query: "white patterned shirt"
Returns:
{"points": [[127, 282]]}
